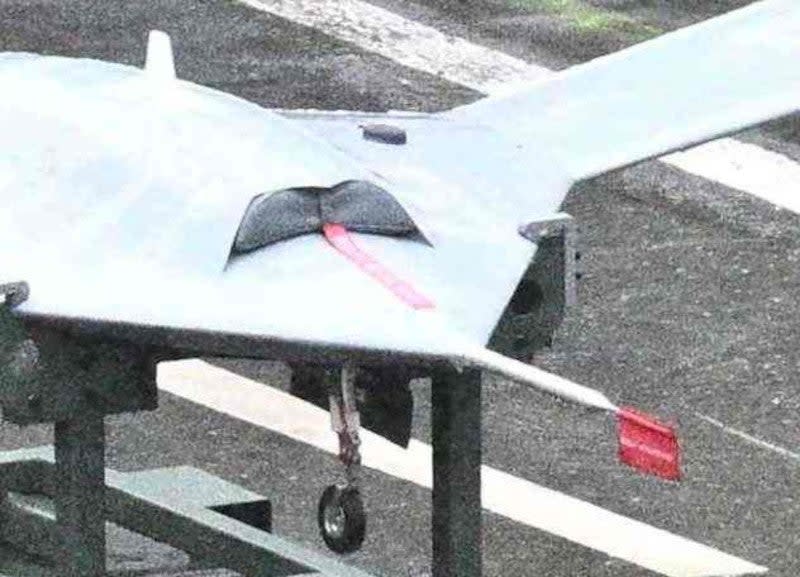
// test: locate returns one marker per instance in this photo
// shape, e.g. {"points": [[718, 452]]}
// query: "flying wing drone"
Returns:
{"points": [[363, 249]]}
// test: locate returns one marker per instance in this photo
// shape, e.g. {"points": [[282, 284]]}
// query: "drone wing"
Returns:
{"points": [[683, 88], [122, 195]]}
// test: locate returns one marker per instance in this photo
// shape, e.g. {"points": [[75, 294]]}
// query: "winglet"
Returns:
{"points": [[644, 443], [160, 63]]}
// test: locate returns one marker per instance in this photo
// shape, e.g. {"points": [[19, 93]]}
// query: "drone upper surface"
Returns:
{"points": [[122, 195], [122, 191]]}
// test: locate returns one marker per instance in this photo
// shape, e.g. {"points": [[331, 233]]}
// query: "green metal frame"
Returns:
{"points": [[179, 506], [50, 374], [456, 424]]}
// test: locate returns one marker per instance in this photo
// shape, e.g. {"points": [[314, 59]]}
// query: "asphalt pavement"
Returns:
{"points": [[688, 306]]}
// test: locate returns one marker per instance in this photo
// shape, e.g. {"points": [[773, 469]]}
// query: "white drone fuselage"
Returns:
{"points": [[122, 190]]}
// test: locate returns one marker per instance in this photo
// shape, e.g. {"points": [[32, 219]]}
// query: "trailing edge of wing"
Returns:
{"points": [[683, 88]]}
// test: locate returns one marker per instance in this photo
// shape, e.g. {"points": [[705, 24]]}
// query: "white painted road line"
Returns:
{"points": [[750, 439], [502, 493], [404, 41], [746, 167]]}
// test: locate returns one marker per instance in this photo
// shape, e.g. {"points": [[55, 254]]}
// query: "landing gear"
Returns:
{"points": [[384, 397], [341, 517], [377, 398]]}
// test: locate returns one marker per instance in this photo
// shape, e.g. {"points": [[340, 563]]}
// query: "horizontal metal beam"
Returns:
{"points": [[176, 506], [180, 343], [29, 529]]}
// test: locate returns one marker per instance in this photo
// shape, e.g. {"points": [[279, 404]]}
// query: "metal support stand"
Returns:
{"points": [[80, 495], [217, 523], [49, 376], [456, 407]]}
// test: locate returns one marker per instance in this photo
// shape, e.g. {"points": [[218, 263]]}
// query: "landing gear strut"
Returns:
{"points": [[341, 517]]}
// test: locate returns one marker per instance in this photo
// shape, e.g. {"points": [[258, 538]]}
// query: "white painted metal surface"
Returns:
{"points": [[160, 62], [754, 170], [134, 190], [126, 194], [683, 88], [125, 191]]}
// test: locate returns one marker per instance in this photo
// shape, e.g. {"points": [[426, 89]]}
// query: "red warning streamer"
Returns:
{"points": [[340, 239], [647, 445]]}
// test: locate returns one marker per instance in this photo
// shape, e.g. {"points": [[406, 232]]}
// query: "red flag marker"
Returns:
{"points": [[644, 443], [647, 445]]}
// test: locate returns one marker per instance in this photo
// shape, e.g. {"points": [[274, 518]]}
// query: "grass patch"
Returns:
{"points": [[588, 18]]}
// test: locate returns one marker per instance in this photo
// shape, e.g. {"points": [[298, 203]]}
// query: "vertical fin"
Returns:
{"points": [[160, 62]]}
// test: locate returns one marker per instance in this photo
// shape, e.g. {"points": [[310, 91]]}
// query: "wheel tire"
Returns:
{"points": [[341, 518]]}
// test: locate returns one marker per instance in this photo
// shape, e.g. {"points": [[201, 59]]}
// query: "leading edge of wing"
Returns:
{"points": [[99, 159]]}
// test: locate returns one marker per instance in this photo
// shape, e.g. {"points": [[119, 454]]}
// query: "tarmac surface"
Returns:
{"points": [[688, 306]]}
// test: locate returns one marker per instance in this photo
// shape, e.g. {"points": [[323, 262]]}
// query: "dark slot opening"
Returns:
{"points": [[257, 514], [527, 297]]}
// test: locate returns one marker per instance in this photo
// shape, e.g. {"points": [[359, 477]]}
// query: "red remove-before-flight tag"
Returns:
{"points": [[648, 445], [340, 238]]}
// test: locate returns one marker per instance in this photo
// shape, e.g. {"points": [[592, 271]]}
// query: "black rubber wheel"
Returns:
{"points": [[341, 518]]}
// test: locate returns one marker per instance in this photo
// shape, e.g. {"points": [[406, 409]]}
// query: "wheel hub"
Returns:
{"points": [[334, 520]]}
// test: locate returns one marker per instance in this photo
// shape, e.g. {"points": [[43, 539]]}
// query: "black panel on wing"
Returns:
{"points": [[358, 205]]}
